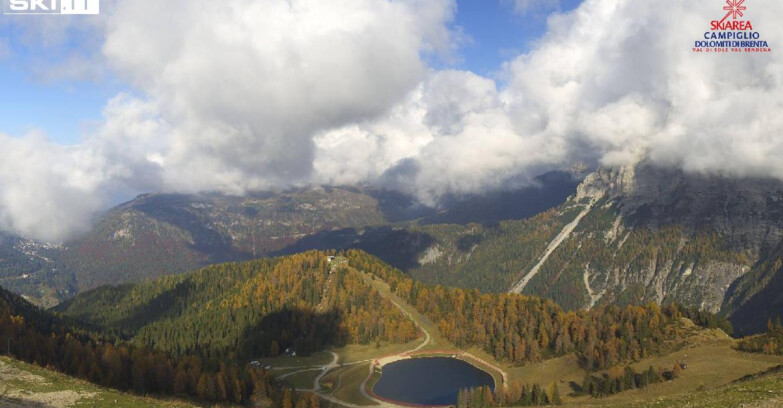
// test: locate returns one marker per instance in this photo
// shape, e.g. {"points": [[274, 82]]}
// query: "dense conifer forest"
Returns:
{"points": [[192, 335], [40, 338], [516, 395], [248, 310], [524, 329]]}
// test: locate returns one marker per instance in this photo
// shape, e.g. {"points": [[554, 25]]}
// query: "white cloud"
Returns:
{"points": [[621, 77], [454, 134], [612, 81], [239, 95], [231, 93], [245, 85], [48, 191]]}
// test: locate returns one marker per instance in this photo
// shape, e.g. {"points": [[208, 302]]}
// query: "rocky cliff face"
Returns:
{"points": [[672, 236], [747, 211], [643, 233]]}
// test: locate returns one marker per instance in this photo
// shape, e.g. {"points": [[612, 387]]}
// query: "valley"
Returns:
{"points": [[583, 287], [343, 380], [342, 369], [162, 234], [391, 204]]}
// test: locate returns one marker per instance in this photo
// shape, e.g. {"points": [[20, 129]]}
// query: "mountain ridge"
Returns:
{"points": [[631, 234], [159, 234]]}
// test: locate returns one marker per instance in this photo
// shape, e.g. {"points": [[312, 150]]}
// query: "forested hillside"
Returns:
{"points": [[157, 234], [524, 329], [34, 270], [260, 308], [602, 261], [645, 234], [193, 334], [247, 310], [38, 337], [160, 234], [755, 298], [484, 257]]}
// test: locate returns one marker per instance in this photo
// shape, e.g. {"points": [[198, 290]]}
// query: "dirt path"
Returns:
{"points": [[396, 357], [298, 372], [324, 304], [397, 303], [428, 339], [562, 236], [329, 367], [427, 335], [503, 374]]}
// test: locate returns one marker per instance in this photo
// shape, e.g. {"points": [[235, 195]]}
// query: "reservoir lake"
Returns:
{"points": [[429, 381]]}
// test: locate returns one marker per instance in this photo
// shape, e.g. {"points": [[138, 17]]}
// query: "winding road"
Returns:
{"points": [[380, 362], [329, 367]]}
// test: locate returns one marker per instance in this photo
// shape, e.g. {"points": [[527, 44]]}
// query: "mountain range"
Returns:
{"points": [[627, 235]]}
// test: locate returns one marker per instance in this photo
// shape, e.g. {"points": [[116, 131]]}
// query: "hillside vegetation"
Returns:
{"points": [[45, 340], [246, 310], [525, 329], [23, 386], [158, 234], [35, 270], [262, 307], [192, 335]]}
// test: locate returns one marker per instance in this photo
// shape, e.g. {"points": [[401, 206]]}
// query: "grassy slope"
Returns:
{"points": [[760, 393], [713, 365], [24, 385], [709, 381]]}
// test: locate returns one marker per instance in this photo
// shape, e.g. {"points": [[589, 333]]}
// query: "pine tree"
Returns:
{"points": [[315, 402], [489, 400], [537, 395], [288, 398], [653, 376], [462, 398], [181, 381], [555, 392], [201, 388]]}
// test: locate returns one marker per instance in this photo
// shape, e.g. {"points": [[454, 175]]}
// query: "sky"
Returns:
{"points": [[66, 108], [428, 97]]}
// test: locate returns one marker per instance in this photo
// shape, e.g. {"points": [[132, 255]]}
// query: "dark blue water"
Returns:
{"points": [[429, 381]]}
